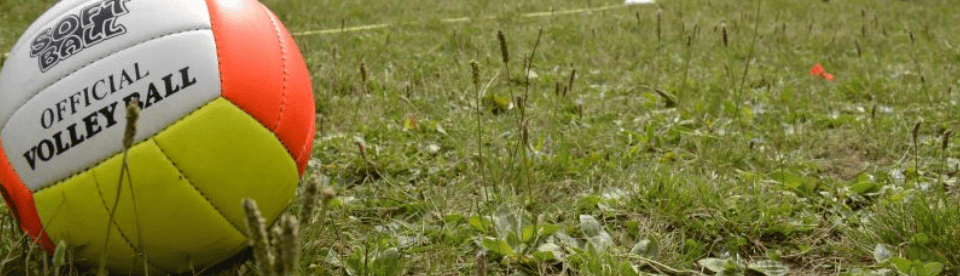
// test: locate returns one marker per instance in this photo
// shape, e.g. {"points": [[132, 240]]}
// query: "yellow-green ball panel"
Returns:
{"points": [[178, 226], [228, 155], [74, 212]]}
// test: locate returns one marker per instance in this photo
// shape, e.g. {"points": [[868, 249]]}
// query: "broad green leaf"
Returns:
{"points": [[920, 239], [568, 242], [477, 223], [862, 188], [918, 251], [883, 272], [628, 269], [453, 218], [527, 233], [769, 268], [498, 246], [505, 223], [902, 265], [543, 256], [547, 230], [588, 202], [714, 264], [548, 252], [932, 269], [646, 248], [512, 239], [600, 243], [59, 255], [881, 254], [589, 226], [789, 180], [865, 183]]}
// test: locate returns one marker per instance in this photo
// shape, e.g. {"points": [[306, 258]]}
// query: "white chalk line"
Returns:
{"points": [[457, 20]]}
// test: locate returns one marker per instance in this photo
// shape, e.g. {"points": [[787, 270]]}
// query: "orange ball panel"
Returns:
{"points": [[19, 200], [263, 72]]}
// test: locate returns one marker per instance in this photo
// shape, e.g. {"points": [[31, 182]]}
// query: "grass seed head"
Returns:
{"points": [[504, 54], [856, 43], [946, 140], [659, 32], [257, 233], [311, 192], [133, 115], [289, 247], [916, 131], [723, 34], [363, 72], [475, 72]]}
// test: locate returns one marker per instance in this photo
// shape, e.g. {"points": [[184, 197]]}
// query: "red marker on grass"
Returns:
{"points": [[817, 70]]}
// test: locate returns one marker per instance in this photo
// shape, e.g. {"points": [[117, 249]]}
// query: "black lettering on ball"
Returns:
{"points": [[46, 118], [66, 27], [45, 150]]}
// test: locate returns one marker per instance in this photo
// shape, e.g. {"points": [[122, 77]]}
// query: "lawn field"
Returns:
{"points": [[562, 137]]}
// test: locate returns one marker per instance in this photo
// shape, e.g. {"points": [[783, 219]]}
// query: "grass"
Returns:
{"points": [[432, 172]]}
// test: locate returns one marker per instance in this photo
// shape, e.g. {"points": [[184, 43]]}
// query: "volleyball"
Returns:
{"points": [[227, 113]]}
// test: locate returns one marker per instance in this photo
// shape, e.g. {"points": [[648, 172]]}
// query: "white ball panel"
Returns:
{"points": [[79, 120], [23, 76]]}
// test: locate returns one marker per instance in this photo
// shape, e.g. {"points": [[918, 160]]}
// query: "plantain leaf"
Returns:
{"points": [[933, 268], [646, 248], [713, 264], [881, 254], [453, 218], [498, 246], [547, 230], [477, 223], [527, 233], [769, 268], [589, 226], [903, 265]]}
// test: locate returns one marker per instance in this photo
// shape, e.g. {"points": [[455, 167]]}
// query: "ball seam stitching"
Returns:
{"points": [[190, 183], [124, 48], [283, 64], [114, 223]]}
